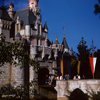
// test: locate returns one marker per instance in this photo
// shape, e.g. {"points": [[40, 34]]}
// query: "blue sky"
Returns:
{"points": [[76, 15]]}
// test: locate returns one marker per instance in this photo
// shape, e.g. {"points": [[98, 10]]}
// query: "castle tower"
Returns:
{"points": [[33, 5], [11, 10], [5, 22]]}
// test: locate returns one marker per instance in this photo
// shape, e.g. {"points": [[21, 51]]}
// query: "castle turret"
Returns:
{"points": [[27, 27], [45, 26], [11, 10], [5, 22], [65, 45], [33, 5]]}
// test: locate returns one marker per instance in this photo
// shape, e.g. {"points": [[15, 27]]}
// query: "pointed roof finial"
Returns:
{"points": [[45, 25], [64, 43], [56, 37], [56, 42], [2, 2], [11, 3], [71, 48], [64, 35]]}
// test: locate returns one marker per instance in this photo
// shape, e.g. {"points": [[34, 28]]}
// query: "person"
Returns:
{"points": [[74, 78], [61, 77], [83, 77], [79, 77], [65, 77], [68, 76], [49, 80], [46, 80], [58, 78], [54, 81]]}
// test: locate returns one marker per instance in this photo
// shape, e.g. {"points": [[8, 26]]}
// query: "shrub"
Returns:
{"points": [[77, 94]]}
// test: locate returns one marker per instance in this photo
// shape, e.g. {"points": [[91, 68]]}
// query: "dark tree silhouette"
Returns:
{"points": [[97, 8], [83, 56], [92, 49]]}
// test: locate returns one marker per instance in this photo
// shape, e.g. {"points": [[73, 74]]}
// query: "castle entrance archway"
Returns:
{"points": [[42, 75]]}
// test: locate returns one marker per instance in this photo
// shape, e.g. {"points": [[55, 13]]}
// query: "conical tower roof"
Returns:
{"points": [[64, 43], [11, 3], [18, 36], [56, 42], [45, 25], [3, 14]]}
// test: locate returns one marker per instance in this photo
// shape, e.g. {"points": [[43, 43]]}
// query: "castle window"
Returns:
{"points": [[33, 42], [17, 28], [43, 42]]}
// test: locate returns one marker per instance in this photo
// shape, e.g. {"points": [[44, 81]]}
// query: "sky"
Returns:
{"points": [[76, 15]]}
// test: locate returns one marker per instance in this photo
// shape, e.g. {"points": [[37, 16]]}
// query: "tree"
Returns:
{"points": [[15, 53], [83, 56], [97, 9], [92, 49], [73, 63]]}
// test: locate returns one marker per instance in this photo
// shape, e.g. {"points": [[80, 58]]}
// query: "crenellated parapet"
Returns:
{"points": [[19, 40]]}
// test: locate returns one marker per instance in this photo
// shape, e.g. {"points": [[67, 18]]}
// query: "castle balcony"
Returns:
{"points": [[39, 48], [50, 61], [44, 35]]}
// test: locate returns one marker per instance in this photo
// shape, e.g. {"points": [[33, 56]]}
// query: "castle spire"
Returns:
{"points": [[56, 42], [45, 25], [64, 43], [2, 2]]}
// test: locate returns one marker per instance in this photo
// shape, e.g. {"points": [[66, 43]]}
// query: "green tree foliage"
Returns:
{"points": [[94, 95], [83, 56], [15, 53]]}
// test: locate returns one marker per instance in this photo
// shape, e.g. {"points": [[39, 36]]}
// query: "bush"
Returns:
{"points": [[77, 94], [94, 96]]}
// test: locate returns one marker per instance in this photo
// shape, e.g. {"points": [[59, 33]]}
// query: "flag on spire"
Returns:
{"points": [[63, 26]]}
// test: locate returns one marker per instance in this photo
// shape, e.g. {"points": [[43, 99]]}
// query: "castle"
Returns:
{"points": [[26, 25]]}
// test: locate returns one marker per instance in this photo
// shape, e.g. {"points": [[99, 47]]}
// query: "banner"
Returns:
{"points": [[78, 67], [61, 63], [93, 64]]}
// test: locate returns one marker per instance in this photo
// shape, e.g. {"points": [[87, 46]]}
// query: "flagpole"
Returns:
{"points": [[64, 29], [92, 57]]}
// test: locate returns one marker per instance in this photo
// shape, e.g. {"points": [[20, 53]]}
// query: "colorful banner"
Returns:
{"points": [[93, 64], [62, 67], [78, 67]]}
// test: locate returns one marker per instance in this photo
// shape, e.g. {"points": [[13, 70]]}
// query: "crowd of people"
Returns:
{"points": [[52, 81], [78, 77]]}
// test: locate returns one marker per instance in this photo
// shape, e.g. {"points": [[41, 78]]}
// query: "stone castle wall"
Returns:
{"points": [[11, 75], [17, 77], [5, 75], [63, 86]]}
